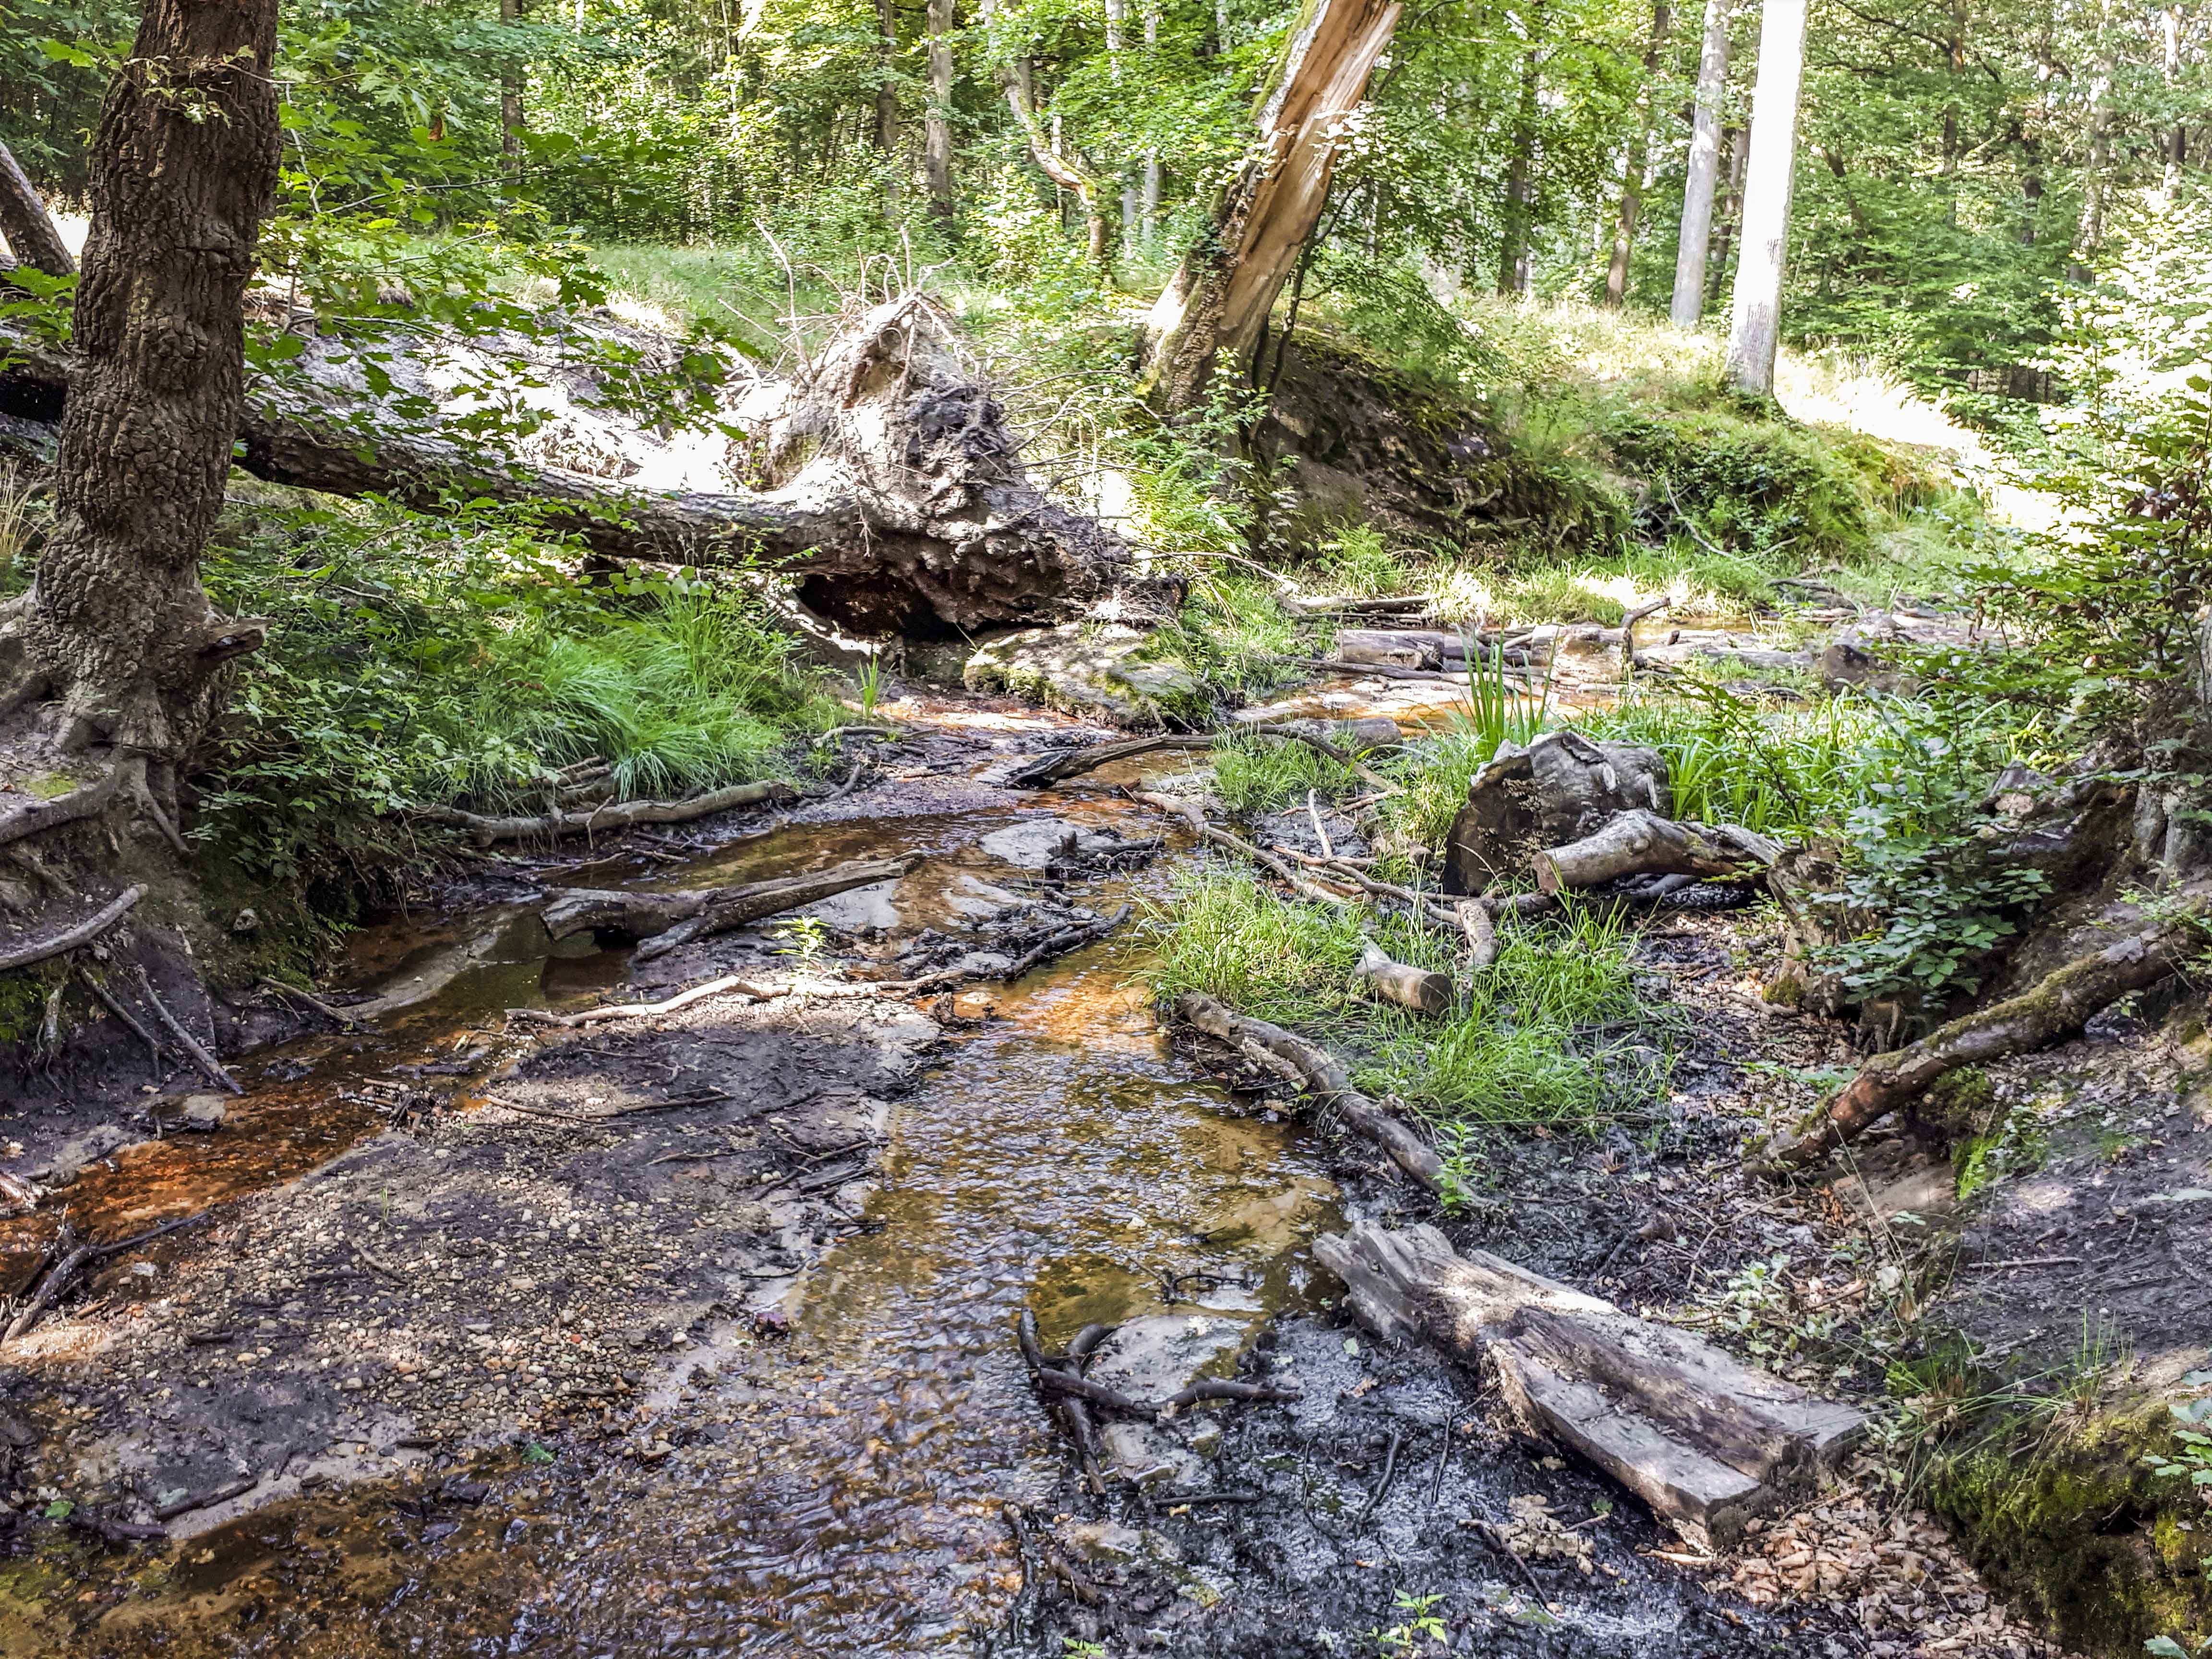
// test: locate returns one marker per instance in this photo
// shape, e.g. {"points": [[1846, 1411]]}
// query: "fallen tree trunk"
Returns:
{"points": [[2059, 1005], [890, 477], [1295, 1060], [25, 224], [1066, 764], [1424, 992], [1708, 1443], [616, 914], [1639, 842]]}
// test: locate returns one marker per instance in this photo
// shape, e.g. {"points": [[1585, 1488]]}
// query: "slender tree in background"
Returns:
{"points": [[1516, 212], [1149, 218], [1220, 296], [1632, 181], [26, 226], [510, 91], [184, 165], [1699, 184], [1738, 146], [2091, 238], [937, 125], [1755, 327]]}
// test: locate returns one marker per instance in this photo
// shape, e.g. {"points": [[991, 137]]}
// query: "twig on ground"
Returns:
{"points": [[313, 1001], [209, 1066]]}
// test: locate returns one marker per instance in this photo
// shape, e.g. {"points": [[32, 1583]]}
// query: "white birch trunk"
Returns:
{"points": [[1704, 176], [1755, 327]]}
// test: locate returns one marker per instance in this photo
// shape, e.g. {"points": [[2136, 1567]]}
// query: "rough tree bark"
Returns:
{"points": [[1688, 304], [1739, 149], [1632, 183], [184, 164], [1755, 329], [25, 224], [891, 480], [1220, 295], [937, 125], [1518, 210]]}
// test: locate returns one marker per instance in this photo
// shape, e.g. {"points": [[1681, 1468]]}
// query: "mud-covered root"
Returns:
{"points": [[1315, 1069], [81, 932], [2059, 1005]]}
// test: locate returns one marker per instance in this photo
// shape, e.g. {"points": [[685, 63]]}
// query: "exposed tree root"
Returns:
{"points": [[37, 816], [2057, 1006], [68, 938], [210, 1067], [1321, 1072], [73, 1259]]}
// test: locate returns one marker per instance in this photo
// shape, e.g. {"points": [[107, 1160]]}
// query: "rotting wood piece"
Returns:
{"points": [[1707, 1441], [1320, 1073], [2057, 1007], [1640, 841], [1401, 982]]}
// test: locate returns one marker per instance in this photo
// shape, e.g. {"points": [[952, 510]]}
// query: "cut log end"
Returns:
{"points": [[1400, 983]]}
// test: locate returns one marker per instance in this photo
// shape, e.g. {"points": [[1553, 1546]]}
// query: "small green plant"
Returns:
{"points": [[806, 938], [871, 683], [1420, 1624], [1074, 1649], [2192, 1440]]}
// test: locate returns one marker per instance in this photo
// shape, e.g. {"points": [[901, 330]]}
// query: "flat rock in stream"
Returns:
{"points": [[1161, 1354]]}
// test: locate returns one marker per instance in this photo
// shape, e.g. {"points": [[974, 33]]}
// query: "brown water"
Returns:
{"points": [[841, 1493]]}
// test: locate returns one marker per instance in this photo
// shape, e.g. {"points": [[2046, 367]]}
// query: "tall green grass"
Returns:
{"points": [[1258, 774], [1540, 1037]]}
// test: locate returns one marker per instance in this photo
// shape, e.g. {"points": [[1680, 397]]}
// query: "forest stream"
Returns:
{"points": [[833, 1448]]}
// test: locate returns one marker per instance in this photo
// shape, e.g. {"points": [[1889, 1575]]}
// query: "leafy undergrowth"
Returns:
{"points": [[1554, 1034], [414, 661]]}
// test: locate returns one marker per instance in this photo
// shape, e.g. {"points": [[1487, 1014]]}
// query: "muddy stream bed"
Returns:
{"points": [[696, 1336]]}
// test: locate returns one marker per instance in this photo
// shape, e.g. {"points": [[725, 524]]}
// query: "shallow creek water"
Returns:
{"points": [[844, 1493]]}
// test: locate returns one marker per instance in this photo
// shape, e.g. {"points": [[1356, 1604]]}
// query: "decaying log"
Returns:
{"points": [[1319, 1071], [721, 909], [28, 229], [891, 479], [1642, 842], [1474, 920], [2056, 1007], [606, 820], [1708, 1443], [1403, 647], [1559, 788], [1361, 671], [1424, 992]]}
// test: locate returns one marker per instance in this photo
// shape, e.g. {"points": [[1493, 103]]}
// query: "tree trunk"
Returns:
{"points": [[1739, 149], [184, 164], [1148, 215], [1688, 304], [510, 94], [893, 484], [1518, 208], [1755, 328], [1632, 182], [26, 226], [1052, 159], [887, 109], [2091, 240], [1221, 295], [937, 126]]}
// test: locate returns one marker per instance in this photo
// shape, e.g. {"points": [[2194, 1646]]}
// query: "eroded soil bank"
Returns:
{"points": [[694, 1335]]}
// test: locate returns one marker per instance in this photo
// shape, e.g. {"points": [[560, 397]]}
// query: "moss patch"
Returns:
{"points": [[2091, 1541]]}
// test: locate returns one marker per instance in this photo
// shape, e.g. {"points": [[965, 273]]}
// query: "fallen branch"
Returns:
{"points": [[729, 984], [1401, 982], [1474, 921], [326, 1010], [68, 938], [210, 1067], [1640, 841], [1363, 670], [1194, 815], [1634, 615], [1070, 763], [153, 1043], [207, 1500], [553, 825], [664, 920], [36, 816], [1323, 1075], [2059, 1005], [73, 1262]]}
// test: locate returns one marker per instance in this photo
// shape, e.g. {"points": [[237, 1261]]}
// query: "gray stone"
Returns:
{"points": [[1032, 845], [857, 908], [1150, 1357], [203, 1114], [1149, 1455], [1086, 668], [1561, 787], [79, 1150]]}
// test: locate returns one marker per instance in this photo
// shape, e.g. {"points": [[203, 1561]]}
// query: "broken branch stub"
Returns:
{"points": [[1642, 842], [1424, 992], [2058, 1005], [1707, 1441]]}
